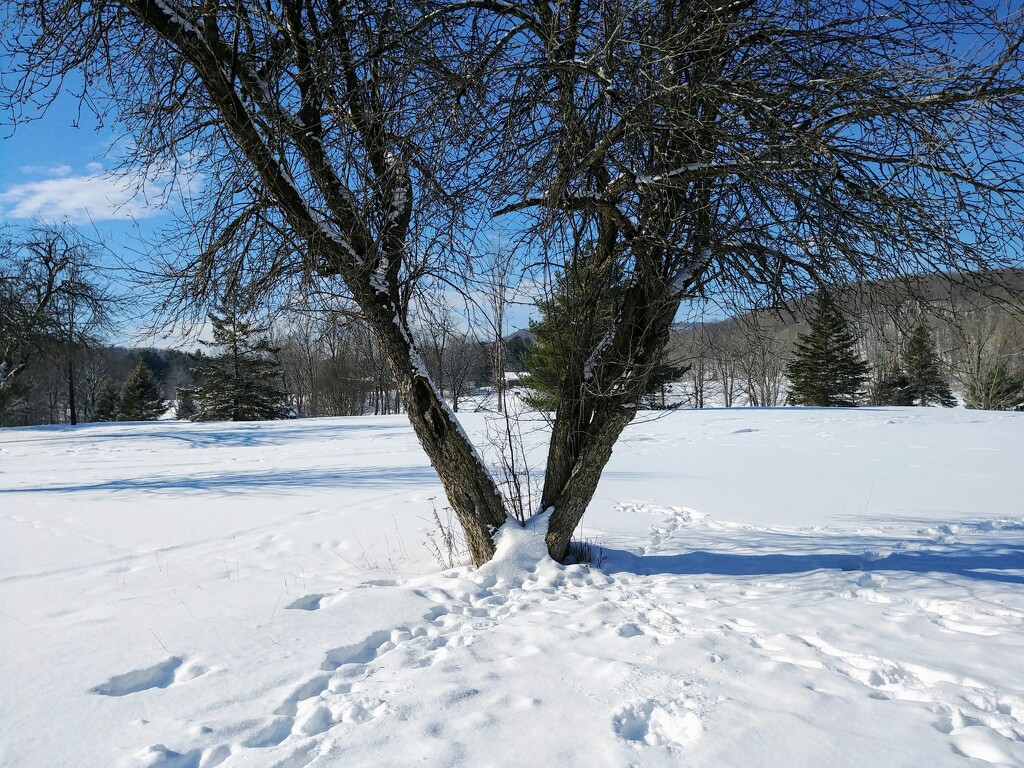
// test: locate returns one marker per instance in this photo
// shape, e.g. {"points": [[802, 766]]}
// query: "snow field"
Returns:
{"points": [[779, 588]]}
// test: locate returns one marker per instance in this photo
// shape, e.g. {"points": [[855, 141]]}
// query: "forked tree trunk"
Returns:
{"points": [[574, 469]]}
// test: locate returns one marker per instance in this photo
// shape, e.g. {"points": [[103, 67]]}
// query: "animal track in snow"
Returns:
{"points": [[981, 723], [271, 734], [358, 653], [159, 755]]}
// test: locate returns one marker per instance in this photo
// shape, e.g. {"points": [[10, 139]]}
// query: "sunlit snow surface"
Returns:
{"points": [[783, 588]]}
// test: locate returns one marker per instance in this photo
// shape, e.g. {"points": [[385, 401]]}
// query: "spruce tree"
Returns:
{"points": [[239, 381], [927, 384], [141, 398], [827, 369], [892, 388], [108, 401]]}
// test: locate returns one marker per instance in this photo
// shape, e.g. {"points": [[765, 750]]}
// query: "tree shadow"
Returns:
{"points": [[198, 435], [379, 478], [987, 562]]}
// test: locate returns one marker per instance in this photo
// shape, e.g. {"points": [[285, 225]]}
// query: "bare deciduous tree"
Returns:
{"points": [[756, 148], [50, 298]]}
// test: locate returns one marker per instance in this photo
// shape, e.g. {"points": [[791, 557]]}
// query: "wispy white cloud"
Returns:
{"points": [[58, 171], [97, 195]]}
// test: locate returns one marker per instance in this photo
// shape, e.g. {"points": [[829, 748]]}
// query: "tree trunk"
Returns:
{"points": [[598, 398], [72, 414], [573, 473], [470, 489], [341, 243]]}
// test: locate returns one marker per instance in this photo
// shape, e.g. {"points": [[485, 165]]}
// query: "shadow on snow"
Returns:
{"points": [[381, 478], [205, 434], [986, 562]]}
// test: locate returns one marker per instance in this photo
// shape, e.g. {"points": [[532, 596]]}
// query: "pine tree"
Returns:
{"points": [[239, 382], [927, 384], [827, 369], [108, 401], [141, 398], [185, 407]]}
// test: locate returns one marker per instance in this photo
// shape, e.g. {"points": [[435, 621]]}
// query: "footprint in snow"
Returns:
{"points": [[159, 755], [306, 603], [271, 734], [654, 724], [160, 675]]}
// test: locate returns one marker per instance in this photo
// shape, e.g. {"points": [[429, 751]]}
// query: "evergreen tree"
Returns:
{"points": [[239, 382], [827, 369], [927, 384], [141, 398], [663, 375], [516, 350], [892, 388], [573, 323], [568, 323], [185, 407], [108, 401]]}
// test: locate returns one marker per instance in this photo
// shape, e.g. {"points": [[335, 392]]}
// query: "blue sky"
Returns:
{"points": [[61, 167]]}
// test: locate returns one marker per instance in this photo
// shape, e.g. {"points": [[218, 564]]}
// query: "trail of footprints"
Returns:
{"points": [[343, 691], [981, 723]]}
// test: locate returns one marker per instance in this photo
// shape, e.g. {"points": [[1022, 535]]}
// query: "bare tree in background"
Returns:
{"points": [[695, 351], [451, 353], [297, 338], [985, 346], [497, 273], [762, 351], [27, 284], [50, 299], [753, 148]]}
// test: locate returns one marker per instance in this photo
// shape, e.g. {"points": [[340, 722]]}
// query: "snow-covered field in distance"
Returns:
{"points": [[780, 587]]}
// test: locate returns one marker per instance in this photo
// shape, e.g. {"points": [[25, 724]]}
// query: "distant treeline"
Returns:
{"points": [[331, 366]]}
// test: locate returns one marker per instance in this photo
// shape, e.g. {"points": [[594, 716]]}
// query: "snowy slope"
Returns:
{"points": [[789, 587]]}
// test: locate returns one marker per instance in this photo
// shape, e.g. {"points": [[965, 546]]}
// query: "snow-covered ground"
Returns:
{"points": [[791, 587]]}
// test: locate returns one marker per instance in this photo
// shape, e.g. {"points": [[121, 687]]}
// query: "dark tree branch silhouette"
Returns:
{"points": [[750, 149]]}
